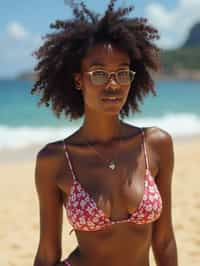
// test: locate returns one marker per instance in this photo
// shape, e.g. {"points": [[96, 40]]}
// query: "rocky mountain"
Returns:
{"points": [[193, 37]]}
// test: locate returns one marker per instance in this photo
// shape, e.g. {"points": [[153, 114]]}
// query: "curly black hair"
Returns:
{"points": [[61, 54]]}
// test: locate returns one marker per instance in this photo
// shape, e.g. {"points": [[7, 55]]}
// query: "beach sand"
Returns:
{"points": [[19, 215]]}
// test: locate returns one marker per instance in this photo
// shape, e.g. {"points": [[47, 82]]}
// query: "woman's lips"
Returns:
{"points": [[112, 100]]}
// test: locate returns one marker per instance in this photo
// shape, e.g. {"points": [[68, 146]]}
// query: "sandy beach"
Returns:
{"points": [[19, 216]]}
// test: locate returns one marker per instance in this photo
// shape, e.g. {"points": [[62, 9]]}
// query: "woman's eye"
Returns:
{"points": [[123, 74], [99, 73]]}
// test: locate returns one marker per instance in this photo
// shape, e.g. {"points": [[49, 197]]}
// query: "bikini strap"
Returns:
{"points": [[145, 149], [68, 160]]}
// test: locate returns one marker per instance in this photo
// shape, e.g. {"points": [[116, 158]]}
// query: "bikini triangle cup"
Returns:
{"points": [[83, 213]]}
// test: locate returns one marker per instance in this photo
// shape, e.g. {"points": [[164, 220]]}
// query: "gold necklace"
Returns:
{"points": [[111, 163]]}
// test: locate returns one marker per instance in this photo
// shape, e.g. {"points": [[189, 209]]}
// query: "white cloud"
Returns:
{"points": [[16, 31], [16, 47], [174, 24]]}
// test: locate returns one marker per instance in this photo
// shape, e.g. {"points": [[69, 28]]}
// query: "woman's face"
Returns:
{"points": [[107, 58]]}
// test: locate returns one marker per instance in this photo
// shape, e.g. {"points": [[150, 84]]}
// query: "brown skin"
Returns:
{"points": [[118, 192]]}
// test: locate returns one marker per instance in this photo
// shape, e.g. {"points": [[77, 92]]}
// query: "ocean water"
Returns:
{"points": [[176, 109]]}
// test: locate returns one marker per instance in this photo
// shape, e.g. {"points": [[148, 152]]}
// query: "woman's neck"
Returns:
{"points": [[101, 129]]}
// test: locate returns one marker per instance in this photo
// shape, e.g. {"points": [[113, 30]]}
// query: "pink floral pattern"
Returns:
{"points": [[83, 213], [66, 263]]}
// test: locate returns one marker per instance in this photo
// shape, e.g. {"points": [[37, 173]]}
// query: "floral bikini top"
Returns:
{"points": [[84, 214]]}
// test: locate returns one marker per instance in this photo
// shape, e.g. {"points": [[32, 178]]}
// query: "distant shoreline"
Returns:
{"points": [[179, 74]]}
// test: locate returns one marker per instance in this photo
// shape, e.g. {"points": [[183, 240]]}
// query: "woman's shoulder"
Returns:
{"points": [[157, 135], [50, 158], [51, 164], [55, 149], [153, 134], [159, 140], [53, 153], [51, 150]]}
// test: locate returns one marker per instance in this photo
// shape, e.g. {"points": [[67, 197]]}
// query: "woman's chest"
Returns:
{"points": [[117, 192]]}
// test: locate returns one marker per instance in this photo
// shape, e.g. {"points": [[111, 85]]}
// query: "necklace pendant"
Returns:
{"points": [[112, 165]]}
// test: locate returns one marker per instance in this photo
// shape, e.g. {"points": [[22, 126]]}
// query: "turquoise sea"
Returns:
{"points": [[176, 108]]}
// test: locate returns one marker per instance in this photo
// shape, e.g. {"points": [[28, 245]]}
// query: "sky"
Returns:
{"points": [[23, 23]]}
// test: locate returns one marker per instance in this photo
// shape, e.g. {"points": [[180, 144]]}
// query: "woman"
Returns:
{"points": [[114, 179]]}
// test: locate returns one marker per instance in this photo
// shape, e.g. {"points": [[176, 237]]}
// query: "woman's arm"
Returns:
{"points": [[163, 239], [50, 204]]}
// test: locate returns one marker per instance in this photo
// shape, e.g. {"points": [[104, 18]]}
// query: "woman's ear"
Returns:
{"points": [[77, 80]]}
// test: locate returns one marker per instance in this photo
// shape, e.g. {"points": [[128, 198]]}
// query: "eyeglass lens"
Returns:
{"points": [[122, 76]]}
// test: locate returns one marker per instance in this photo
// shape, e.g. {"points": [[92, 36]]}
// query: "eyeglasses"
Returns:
{"points": [[102, 77]]}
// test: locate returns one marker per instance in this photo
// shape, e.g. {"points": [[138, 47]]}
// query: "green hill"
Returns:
{"points": [[183, 58]]}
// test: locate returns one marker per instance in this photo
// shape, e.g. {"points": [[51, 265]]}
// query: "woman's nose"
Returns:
{"points": [[112, 83]]}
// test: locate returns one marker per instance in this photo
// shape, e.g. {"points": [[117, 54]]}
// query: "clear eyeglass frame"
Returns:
{"points": [[108, 75]]}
